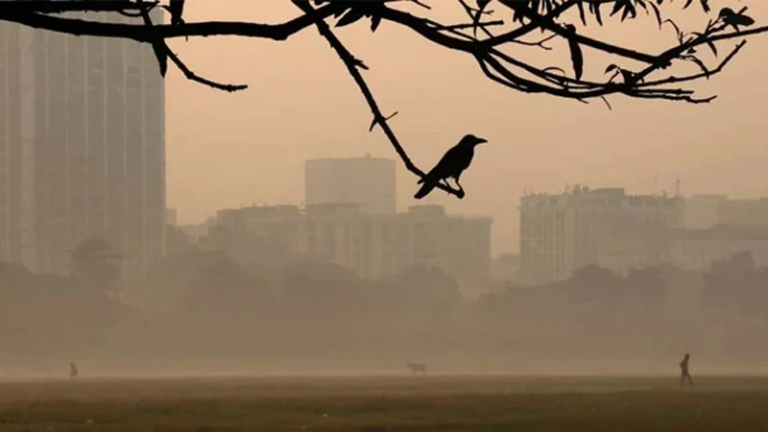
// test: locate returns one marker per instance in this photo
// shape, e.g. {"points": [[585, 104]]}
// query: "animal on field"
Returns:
{"points": [[417, 368]]}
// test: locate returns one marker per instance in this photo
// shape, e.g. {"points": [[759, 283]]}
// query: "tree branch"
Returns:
{"points": [[352, 67]]}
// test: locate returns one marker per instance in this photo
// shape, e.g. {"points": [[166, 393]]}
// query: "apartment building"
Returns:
{"points": [[561, 233]]}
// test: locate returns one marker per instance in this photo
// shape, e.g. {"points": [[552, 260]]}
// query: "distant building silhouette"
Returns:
{"points": [[505, 267], [82, 147], [708, 211], [562, 233], [372, 245], [171, 217], [702, 211], [744, 212], [698, 249], [367, 181]]}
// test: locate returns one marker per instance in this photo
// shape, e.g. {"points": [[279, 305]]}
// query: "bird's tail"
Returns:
{"points": [[425, 189]]}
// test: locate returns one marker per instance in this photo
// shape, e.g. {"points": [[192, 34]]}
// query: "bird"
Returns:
{"points": [[451, 165]]}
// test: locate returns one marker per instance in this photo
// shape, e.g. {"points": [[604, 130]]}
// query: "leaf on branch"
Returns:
{"points": [[595, 9], [712, 46], [608, 104], [626, 7], [733, 19], [677, 29], [577, 57], [705, 5], [375, 21], [582, 13], [699, 63], [656, 13], [353, 15], [611, 68]]}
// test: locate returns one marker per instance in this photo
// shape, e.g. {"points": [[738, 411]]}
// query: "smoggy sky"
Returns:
{"points": [[226, 150]]}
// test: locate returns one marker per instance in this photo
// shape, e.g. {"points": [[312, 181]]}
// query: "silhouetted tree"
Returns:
{"points": [[524, 25]]}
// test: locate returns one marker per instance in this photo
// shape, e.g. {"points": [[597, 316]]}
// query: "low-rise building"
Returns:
{"points": [[698, 249], [372, 245]]}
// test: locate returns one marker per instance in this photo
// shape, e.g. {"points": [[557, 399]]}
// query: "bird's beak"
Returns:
{"points": [[482, 140]]}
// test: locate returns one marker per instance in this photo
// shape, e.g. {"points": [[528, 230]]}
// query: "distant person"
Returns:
{"points": [[73, 372], [685, 373]]}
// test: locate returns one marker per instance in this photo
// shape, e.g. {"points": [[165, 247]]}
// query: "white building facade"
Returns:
{"points": [[562, 233]]}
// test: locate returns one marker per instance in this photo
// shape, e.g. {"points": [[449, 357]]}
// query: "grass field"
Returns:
{"points": [[387, 404]]}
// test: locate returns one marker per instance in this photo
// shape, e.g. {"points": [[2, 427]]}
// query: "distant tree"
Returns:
{"points": [[500, 46], [95, 263], [177, 241], [13, 275], [218, 278]]}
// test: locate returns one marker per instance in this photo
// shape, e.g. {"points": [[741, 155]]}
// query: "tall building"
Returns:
{"points": [[367, 182], [82, 147], [563, 233]]}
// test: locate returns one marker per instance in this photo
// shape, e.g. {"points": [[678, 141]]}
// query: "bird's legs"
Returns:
{"points": [[461, 189], [461, 192]]}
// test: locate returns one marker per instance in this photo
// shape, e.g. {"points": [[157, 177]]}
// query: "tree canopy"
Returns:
{"points": [[496, 34]]}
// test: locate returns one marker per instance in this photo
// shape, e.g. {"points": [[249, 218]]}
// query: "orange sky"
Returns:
{"points": [[225, 149]]}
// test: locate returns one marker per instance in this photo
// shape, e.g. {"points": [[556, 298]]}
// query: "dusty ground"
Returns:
{"points": [[387, 404]]}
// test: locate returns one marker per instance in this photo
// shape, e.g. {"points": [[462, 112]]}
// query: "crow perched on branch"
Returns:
{"points": [[453, 163]]}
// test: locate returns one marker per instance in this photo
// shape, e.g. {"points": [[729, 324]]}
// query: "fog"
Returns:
{"points": [[211, 307], [200, 312]]}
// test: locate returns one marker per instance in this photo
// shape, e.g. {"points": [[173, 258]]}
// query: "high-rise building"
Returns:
{"points": [[82, 147], [563, 233], [367, 182]]}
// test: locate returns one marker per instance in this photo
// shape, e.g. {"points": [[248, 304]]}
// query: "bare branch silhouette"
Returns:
{"points": [[486, 40]]}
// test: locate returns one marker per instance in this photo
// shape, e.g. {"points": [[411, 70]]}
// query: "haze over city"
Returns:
{"points": [[581, 245]]}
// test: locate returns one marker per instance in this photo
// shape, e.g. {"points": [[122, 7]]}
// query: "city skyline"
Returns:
{"points": [[254, 150]]}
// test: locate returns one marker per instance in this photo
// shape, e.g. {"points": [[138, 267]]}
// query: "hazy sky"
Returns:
{"points": [[225, 150]]}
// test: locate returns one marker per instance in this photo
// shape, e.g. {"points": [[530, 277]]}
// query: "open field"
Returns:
{"points": [[380, 403]]}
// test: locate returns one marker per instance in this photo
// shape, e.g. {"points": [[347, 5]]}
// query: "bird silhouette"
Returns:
{"points": [[452, 164]]}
